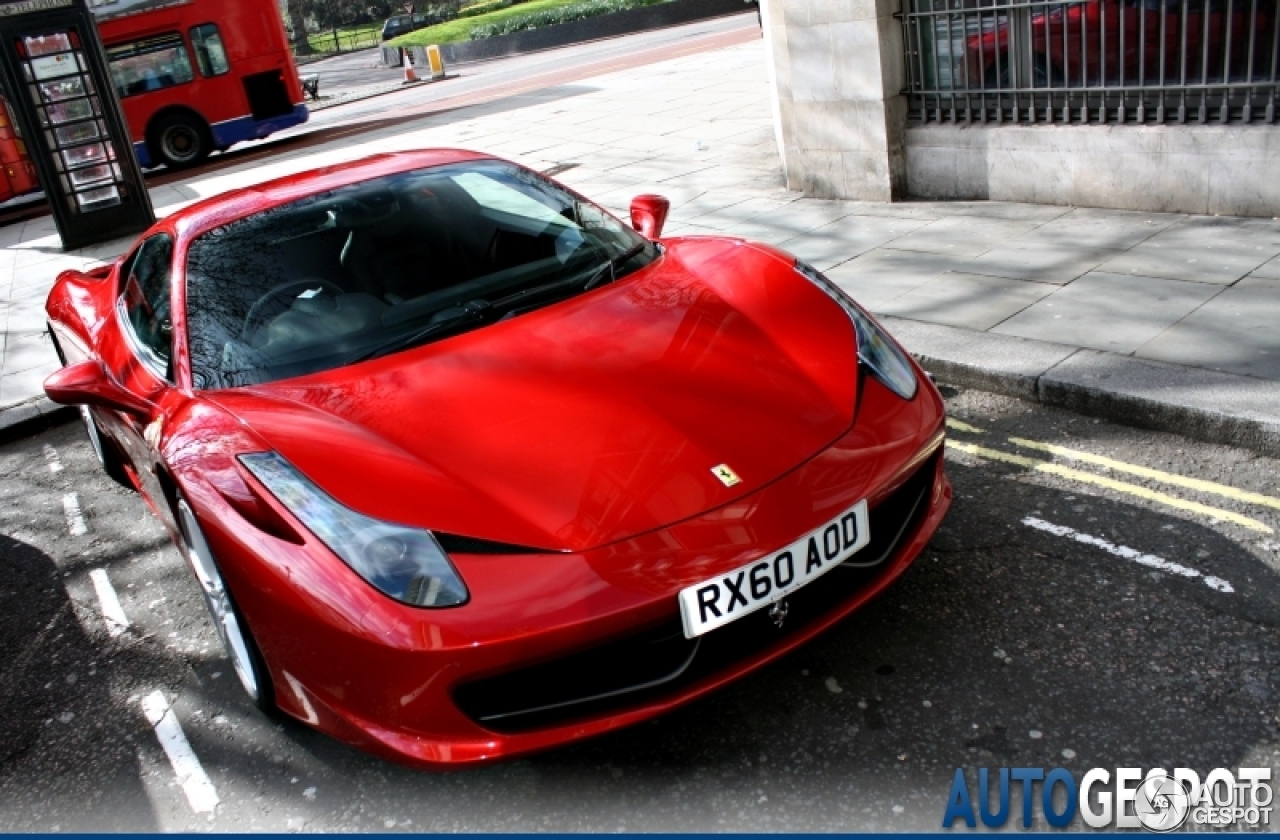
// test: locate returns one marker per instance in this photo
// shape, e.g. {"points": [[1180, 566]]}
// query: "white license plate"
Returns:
{"points": [[728, 597]]}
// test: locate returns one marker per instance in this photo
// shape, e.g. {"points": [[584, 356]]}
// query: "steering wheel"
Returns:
{"points": [[254, 321]]}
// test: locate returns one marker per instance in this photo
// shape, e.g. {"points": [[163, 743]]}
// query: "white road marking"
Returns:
{"points": [[111, 609], [75, 519], [191, 775], [1149, 560], [51, 455]]}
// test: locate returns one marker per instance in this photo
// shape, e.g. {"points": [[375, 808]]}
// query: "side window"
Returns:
{"points": [[144, 301], [149, 64], [211, 57]]}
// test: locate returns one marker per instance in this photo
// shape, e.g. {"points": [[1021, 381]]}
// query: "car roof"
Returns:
{"points": [[221, 209]]}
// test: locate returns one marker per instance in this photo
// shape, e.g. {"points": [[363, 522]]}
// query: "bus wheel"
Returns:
{"points": [[180, 140]]}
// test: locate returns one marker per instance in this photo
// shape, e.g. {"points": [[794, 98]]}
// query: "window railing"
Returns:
{"points": [[1093, 61]]}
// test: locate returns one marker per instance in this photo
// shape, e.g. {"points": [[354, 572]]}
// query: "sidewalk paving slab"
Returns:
{"points": [[827, 246], [1114, 312], [1044, 262], [966, 236], [1234, 332], [878, 277], [1203, 250], [972, 301], [1269, 269]]}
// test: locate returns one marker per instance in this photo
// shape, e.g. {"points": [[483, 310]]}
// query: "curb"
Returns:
{"points": [[32, 417], [370, 91], [1202, 404]]}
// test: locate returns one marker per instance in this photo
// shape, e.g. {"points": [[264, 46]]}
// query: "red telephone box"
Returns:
{"points": [[19, 173], [63, 104]]}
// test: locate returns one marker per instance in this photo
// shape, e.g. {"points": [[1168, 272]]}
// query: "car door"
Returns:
{"points": [[143, 361]]}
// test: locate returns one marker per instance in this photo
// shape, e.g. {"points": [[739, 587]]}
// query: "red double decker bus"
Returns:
{"points": [[196, 76]]}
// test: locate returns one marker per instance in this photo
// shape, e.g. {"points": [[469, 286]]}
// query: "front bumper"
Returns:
{"points": [[555, 648]]}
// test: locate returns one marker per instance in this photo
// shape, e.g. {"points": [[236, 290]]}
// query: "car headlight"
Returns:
{"points": [[876, 349], [404, 563]]}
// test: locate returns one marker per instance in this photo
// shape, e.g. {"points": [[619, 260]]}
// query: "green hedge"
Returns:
{"points": [[486, 6], [459, 29], [556, 16]]}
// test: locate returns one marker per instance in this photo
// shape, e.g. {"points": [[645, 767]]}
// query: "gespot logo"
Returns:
{"points": [[1160, 801]]}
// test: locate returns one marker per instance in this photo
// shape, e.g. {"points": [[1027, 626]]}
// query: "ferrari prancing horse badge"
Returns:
{"points": [[727, 476]]}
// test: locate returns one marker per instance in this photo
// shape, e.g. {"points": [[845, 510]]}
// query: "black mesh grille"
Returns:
{"points": [[648, 664], [454, 544]]}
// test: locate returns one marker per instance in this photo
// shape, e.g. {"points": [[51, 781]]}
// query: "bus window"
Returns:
{"points": [[210, 55], [149, 64]]}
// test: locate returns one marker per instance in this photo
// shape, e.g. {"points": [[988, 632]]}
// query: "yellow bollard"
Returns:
{"points": [[435, 63]]}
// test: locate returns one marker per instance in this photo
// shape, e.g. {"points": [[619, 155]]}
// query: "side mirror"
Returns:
{"points": [[88, 383], [649, 214], [76, 276]]}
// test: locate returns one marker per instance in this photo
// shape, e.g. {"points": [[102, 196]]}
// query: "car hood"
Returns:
{"points": [[588, 421]]}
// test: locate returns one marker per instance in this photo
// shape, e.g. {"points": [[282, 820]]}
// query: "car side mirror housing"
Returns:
{"points": [[89, 383], [81, 277], [649, 214]]}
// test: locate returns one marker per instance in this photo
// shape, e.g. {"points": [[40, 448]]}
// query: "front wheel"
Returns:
{"points": [[180, 140], [108, 458], [241, 649]]}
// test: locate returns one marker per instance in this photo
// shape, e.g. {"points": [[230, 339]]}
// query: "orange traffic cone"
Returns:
{"points": [[409, 76]]}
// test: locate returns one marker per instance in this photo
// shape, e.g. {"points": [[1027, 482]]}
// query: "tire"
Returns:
{"points": [[179, 140], [233, 630], [108, 457]]}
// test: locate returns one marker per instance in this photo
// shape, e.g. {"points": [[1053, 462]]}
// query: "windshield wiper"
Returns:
{"points": [[466, 314], [511, 302], [611, 265]]}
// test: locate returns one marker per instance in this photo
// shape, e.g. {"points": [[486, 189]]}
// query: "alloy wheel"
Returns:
{"points": [[94, 439], [216, 597]]}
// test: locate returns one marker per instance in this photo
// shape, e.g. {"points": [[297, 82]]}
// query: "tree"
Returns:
{"points": [[298, 23]]}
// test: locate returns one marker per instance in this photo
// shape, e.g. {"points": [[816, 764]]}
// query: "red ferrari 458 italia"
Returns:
{"points": [[466, 467]]}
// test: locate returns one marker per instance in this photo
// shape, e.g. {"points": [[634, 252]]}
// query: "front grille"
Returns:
{"points": [[548, 691], [654, 662]]}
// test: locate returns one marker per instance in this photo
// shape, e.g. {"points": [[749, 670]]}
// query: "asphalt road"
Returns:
{"points": [[1068, 613]]}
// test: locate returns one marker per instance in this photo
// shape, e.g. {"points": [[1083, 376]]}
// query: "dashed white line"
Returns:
{"points": [[51, 455], [75, 519], [110, 603], [191, 776], [1148, 560]]}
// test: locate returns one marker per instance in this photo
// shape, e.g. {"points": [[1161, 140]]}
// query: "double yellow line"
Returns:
{"points": [[1199, 485]]}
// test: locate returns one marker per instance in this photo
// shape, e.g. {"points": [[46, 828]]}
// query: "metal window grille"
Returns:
{"points": [[1093, 61]]}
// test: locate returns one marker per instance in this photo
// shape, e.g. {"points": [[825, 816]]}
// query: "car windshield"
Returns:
{"points": [[388, 264]]}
